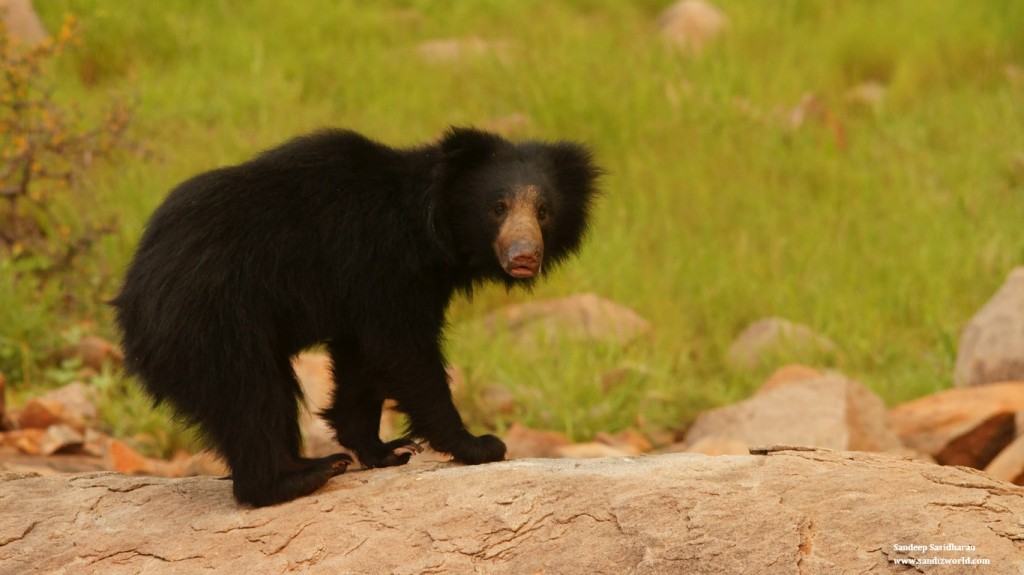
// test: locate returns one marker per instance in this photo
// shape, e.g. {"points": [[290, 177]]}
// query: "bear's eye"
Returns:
{"points": [[542, 213], [500, 208]]}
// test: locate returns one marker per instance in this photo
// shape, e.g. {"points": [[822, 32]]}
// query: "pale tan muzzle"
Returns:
{"points": [[520, 244]]}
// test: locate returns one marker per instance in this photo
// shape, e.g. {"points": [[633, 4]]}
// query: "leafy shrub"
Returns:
{"points": [[50, 221]]}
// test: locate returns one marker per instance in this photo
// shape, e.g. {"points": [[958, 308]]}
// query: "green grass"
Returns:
{"points": [[717, 213]]}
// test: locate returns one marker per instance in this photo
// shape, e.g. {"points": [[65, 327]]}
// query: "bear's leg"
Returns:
{"points": [[257, 430], [302, 476], [355, 412], [417, 379]]}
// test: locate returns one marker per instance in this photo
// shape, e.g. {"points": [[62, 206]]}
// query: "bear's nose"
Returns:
{"points": [[524, 259]]}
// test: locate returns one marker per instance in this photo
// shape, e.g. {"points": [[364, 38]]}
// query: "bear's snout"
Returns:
{"points": [[524, 259], [520, 243]]}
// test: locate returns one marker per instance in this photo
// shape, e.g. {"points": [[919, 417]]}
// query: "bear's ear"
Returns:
{"points": [[574, 170], [466, 147], [461, 150], [575, 175]]}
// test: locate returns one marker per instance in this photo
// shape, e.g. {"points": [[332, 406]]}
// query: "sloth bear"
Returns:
{"points": [[338, 240]]}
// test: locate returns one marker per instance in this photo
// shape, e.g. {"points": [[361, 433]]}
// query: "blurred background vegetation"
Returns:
{"points": [[853, 165]]}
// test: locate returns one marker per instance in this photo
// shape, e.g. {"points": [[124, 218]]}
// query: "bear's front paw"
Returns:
{"points": [[483, 449]]}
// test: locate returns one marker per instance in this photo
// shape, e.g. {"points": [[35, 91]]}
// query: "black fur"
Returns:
{"points": [[331, 238]]}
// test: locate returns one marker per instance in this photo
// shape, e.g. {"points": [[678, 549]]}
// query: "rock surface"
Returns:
{"points": [[452, 50], [773, 335], [21, 21], [932, 423], [788, 374], [830, 411], [783, 512], [711, 445], [71, 404], [991, 347], [691, 24], [77, 399], [522, 441], [40, 413], [96, 352], [585, 317], [1009, 464]]}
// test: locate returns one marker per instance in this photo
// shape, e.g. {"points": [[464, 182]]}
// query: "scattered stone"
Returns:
{"points": [[121, 457], [788, 374], [831, 411], [772, 335], [60, 437], [810, 107], [866, 418], [628, 440], [69, 405], [40, 413], [523, 442], [495, 399], [1009, 464], [870, 95], [712, 445], [203, 463], [584, 317], [991, 345], [690, 25], [97, 352], [94, 442], [1014, 74], [929, 424], [165, 467], [454, 50], [21, 21], [50, 465], [978, 447], [590, 450], [26, 441], [663, 438], [76, 400]]}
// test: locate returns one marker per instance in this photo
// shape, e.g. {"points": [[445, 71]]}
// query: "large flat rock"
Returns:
{"points": [[784, 511]]}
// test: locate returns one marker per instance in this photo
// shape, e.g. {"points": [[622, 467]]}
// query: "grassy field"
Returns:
{"points": [[884, 227]]}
